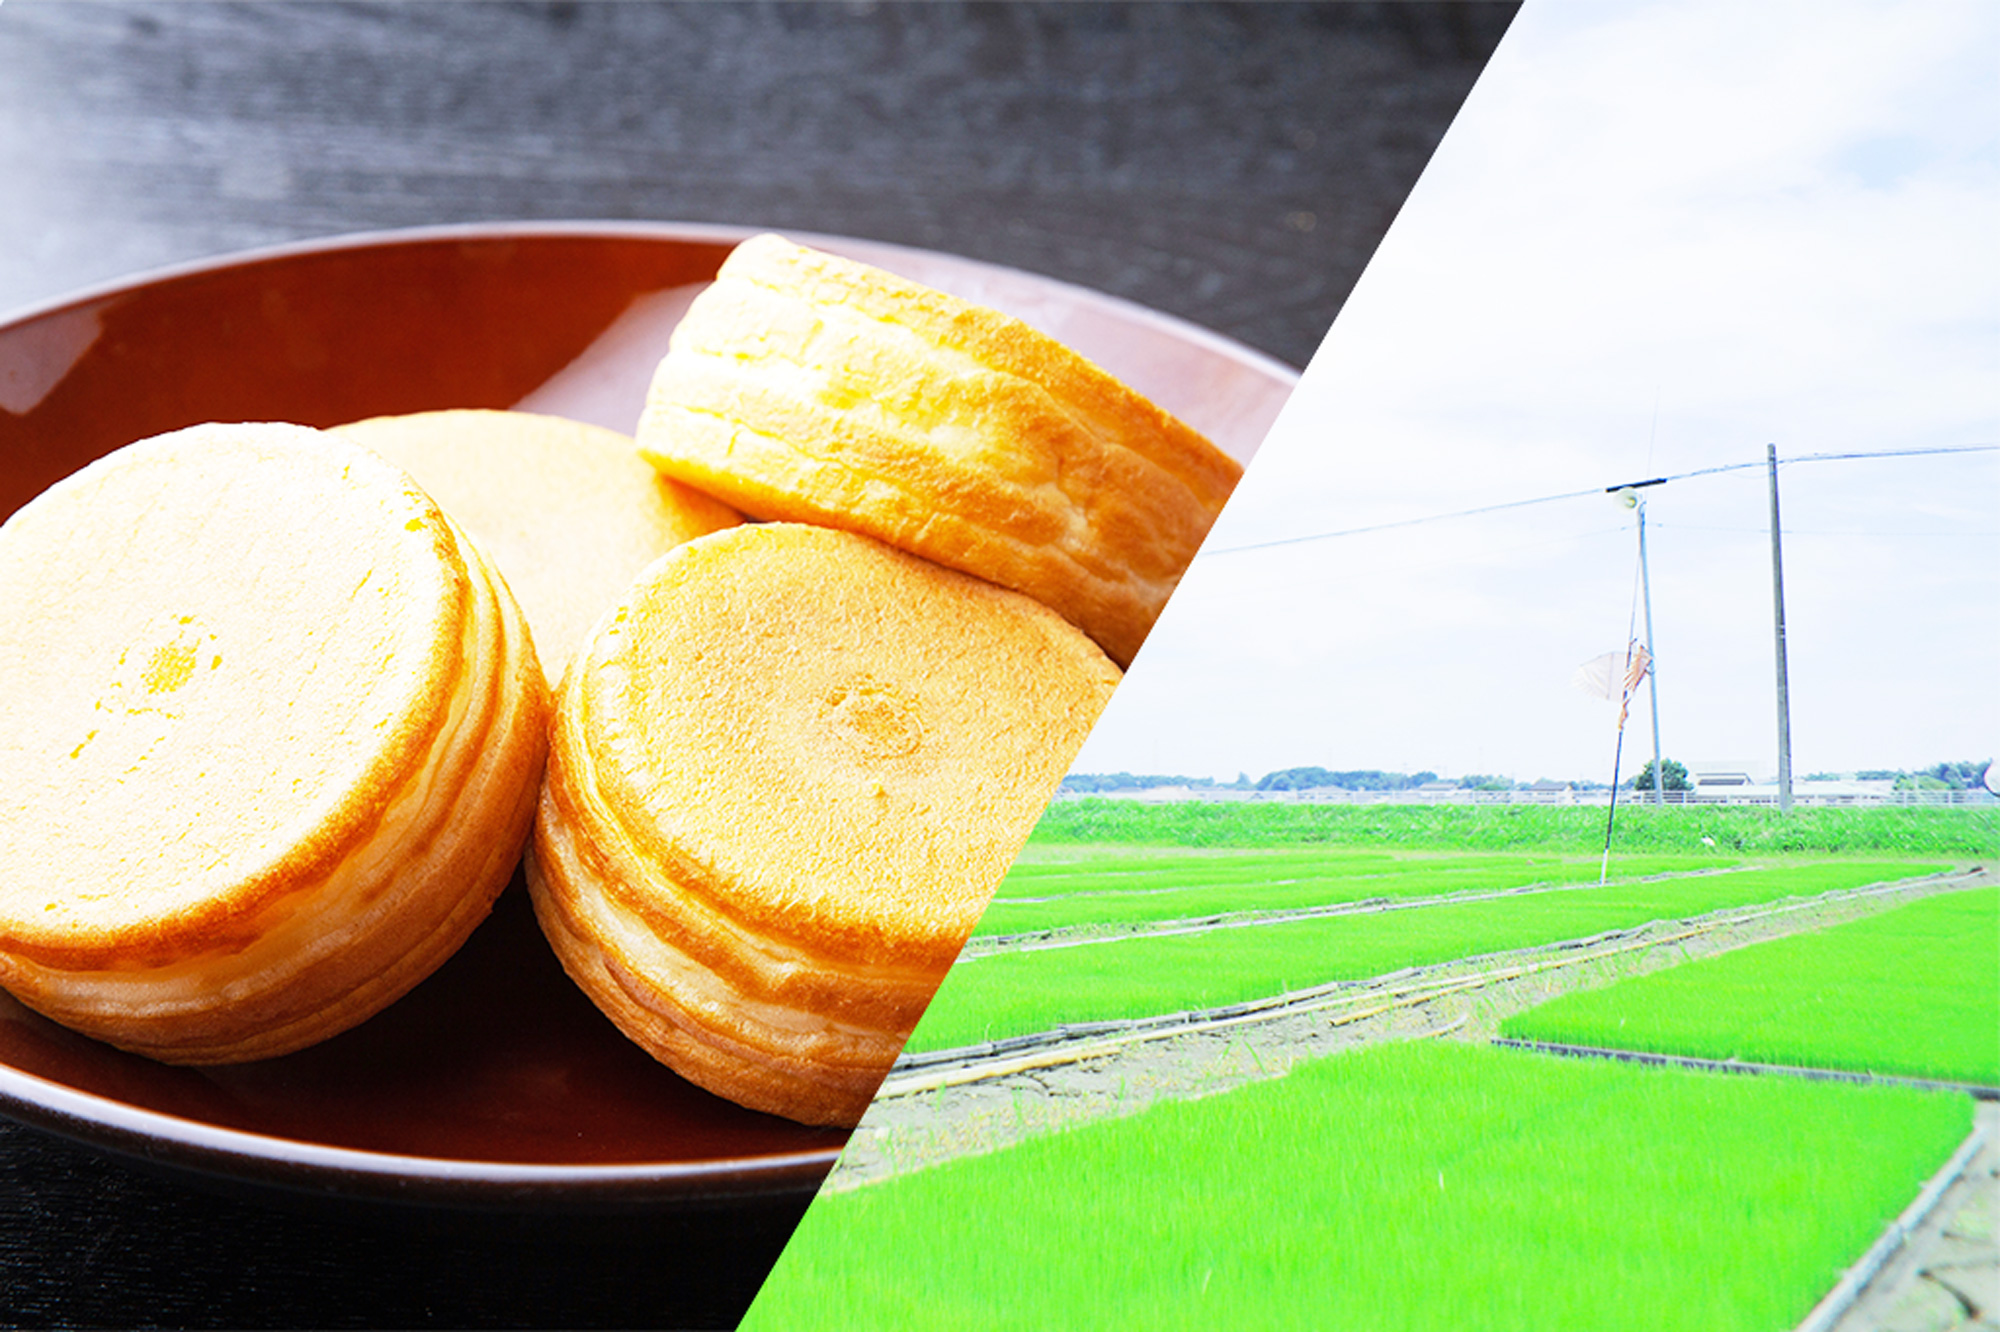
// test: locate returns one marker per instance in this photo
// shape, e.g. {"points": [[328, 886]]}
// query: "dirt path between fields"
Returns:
{"points": [[1946, 1276], [936, 1108]]}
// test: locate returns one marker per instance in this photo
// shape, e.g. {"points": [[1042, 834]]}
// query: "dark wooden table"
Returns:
{"points": [[1232, 164]]}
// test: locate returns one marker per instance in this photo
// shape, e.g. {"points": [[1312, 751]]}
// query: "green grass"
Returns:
{"points": [[1955, 831], [1093, 886], [1405, 1187], [1014, 993], [1913, 991]]}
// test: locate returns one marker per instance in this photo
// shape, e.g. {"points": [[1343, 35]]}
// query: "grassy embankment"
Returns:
{"points": [[1948, 831], [1914, 991], [1403, 1187], [1098, 886], [1018, 992]]}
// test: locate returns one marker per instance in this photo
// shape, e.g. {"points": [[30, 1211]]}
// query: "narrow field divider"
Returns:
{"points": [[1976, 1089]]}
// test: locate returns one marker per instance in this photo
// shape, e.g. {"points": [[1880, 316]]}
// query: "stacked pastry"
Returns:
{"points": [[808, 387], [790, 769], [567, 511], [786, 775], [275, 771], [262, 775]]}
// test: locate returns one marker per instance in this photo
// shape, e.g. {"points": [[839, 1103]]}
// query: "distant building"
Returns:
{"points": [[1718, 776]]}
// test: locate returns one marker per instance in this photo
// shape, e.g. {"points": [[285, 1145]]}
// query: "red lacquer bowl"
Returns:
{"points": [[494, 1083]]}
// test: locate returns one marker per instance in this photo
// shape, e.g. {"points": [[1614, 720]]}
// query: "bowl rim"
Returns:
{"points": [[715, 233], [156, 1137]]}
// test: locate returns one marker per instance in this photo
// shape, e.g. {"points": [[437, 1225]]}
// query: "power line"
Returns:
{"points": [[1956, 535], [1406, 522], [1594, 490]]}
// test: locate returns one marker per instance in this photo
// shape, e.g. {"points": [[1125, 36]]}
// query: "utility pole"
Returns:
{"points": [[1778, 620], [1653, 663], [1628, 495]]}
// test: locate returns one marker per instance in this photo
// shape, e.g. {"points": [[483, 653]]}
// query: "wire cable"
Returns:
{"points": [[1593, 490]]}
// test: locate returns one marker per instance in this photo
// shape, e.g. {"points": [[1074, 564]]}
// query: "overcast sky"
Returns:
{"points": [[1657, 238]]}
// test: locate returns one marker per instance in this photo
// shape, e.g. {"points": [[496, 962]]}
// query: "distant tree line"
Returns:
{"points": [[1962, 776], [1292, 779], [1360, 779], [1085, 783]]}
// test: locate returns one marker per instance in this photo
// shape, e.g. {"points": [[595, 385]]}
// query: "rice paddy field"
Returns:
{"points": [[1914, 830], [1431, 1183], [1087, 886], [1914, 991], [1017, 992], [1403, 1187]]}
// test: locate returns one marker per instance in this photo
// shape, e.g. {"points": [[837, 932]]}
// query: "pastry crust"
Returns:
{"points": [[278, 770], [786, 775], [807, 387], [568, 512]]}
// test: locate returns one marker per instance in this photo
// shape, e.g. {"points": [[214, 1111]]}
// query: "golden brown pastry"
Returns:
{"points": [[785, 776], [808, 387], [271, 748], [568, 512]]}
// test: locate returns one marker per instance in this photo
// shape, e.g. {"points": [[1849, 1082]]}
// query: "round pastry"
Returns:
{"points": [[273, 746], [808, 387], [785, 776], [568, 512]]}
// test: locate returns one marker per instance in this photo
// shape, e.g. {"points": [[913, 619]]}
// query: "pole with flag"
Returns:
{"points": [[1600, 676]]}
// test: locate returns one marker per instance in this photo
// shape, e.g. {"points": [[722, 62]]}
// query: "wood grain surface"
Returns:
{"points": [[1232, 164]]}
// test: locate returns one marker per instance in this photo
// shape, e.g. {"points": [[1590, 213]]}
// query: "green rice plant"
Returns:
{"points": [[1913, 991], [1404, 1187], [1120, 887], [1016, 992], [1961, 831]]}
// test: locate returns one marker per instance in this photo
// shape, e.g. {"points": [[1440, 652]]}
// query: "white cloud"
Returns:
{"points": [[1658, 238]]}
